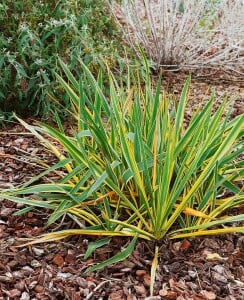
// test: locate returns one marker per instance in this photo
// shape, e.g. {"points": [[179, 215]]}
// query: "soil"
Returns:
{"points": [[199, 268]]}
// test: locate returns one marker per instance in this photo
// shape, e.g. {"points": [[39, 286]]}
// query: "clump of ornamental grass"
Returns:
{"points": [[186, 34], [132, 168]]}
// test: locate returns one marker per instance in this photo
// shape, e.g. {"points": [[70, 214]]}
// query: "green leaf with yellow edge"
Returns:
{"points": [[224, 148], [116, 258], [58, 165], [209, 232], [93, 246], [30, 202], [232, 219], [133, 168], [59, 235], [46, 142]]}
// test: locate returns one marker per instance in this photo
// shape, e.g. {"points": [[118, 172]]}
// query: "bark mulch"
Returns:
{"points": [[199, 268]]}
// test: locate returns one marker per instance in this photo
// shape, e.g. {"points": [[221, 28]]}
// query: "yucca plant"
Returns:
{"points": [[133, 168]]}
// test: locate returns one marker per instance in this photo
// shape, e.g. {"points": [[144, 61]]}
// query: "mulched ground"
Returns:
{"points": [[200, 268]]}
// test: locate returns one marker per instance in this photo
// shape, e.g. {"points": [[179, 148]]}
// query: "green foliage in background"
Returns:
{"points": [[132, 167], [33, 33]]}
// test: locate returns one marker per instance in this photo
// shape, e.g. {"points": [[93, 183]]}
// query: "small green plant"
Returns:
{"points": [[133, 168], [34, 33]]}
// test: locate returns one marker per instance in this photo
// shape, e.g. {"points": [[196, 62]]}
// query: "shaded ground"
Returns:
{"points": [[201, 268]]}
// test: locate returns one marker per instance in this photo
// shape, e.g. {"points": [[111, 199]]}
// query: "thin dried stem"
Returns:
{"points": [[186, 34]]}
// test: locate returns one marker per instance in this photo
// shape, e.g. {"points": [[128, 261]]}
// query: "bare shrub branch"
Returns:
{"points": [[186, 34]]}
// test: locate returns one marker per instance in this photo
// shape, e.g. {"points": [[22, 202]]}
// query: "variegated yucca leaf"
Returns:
{"points": [[134, 168]]}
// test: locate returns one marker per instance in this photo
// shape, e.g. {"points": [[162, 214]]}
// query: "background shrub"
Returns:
{"points": [[33, 33], [186, 34]]}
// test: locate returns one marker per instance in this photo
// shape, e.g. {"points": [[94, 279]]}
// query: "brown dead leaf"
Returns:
{"points": [[185, 245], [58, 260], [39, 288], [164, 291], [12, 293], [140, 272], [140, 290], [208, 295], [171, 295], [118, 295], [147, 279], [198, 297], [70, 258]]}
